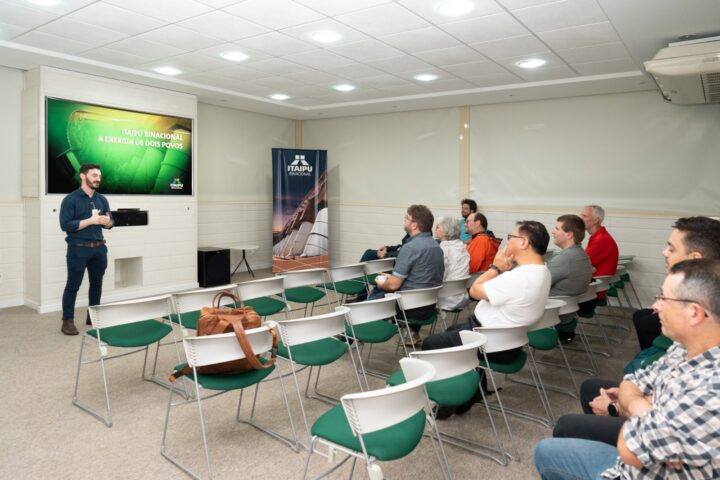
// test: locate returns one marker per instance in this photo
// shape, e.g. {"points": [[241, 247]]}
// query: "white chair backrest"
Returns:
{"points": [[419, 297], [503, 338], [602, 283], [379, 266], [372, 310], [589, 295], [303, 278], [377, 409], [309, 329], [347, 272], [551, 316], [212, 349], [261, 288], [454, 361], [571, 303], [625, 259], [454, 287], [194, 300], [130, 311]]}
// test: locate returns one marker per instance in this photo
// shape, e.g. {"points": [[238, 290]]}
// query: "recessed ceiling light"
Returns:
{"points": [[454, 8], [325, 36], [234, 56], [167, 70], [44, 3], [279, 96], [531, 63], [426, 77], [345, 87]]}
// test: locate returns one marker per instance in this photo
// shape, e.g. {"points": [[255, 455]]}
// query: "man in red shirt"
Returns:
{"points": [[483, 246], [601, 248]]}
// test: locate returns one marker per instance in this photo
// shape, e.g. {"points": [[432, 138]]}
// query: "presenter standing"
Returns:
{"points": [[83, 215]]}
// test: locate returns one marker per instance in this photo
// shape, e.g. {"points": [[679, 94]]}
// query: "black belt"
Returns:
{"points": [[91, 244]]}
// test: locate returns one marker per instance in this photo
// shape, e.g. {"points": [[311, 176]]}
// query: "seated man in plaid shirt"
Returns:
{"points": [[673, 406]]}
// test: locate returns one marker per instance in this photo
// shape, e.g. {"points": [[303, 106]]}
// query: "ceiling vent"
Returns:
{"points": [[688, 74]]}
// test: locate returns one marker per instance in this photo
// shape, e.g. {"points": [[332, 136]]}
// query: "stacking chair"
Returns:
{"points": [[451, 288], [265, 296], [372, 322], [348, 280], [597, 285], [310, 342], [301, 287], [187, 305], [380, 425], [373, 268], [411, 299], [129, 324], [209, 350], [623, 263], [571, 306]]}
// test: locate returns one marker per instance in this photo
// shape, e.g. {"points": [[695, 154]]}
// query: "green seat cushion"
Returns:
{"points": [[230, 381], [387, 444], [136, 334], [428, 321], [625, 277], [652, 358], [319, 352], [265, 306], [373, 332], [610, 292], [304, 294], [513, 367], [619, 284], [568, 327], [451, 392], [544, 339], [189, 319], [348, 287], [662, 342], [602, 302]]}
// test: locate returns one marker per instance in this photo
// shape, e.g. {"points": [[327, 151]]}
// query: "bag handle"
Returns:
{"points": [[247, 348], [225, 293]]}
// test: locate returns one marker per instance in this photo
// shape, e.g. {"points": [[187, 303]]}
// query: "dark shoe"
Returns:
{"points": [[87, 319], [68, 327], [465, 407], [566, 337], [443, 412]]}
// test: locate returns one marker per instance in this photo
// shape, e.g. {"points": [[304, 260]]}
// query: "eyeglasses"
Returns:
{"points": [[510, 236], [663, 298]]}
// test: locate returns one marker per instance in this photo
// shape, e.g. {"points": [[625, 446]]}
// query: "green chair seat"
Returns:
{"points": [[610, 292], [379, 331], [602, 302], [189, 319], [652, 358], [319, 352], [513, 367], [137, 334], [619, 284], [544, 339], [303, 294], [230, 381], [662, 342], [428, 321], [452, 392], [347, 287], [568, 327], [625, 277], [265, 306], [387, 444]]}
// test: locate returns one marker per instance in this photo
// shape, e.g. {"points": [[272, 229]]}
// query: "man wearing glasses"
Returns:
{"points": [[672, 407], [83, 215]]}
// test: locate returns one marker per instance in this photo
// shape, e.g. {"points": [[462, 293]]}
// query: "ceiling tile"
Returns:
{"points": [[168, 10], [218, 50], [22, 16], [7, 31], [64, 7], [515, 4], [357, 70], [583, 36], [52, 42], [275, 15], [167, 62], [450, 84], [511, 47], [114, 18], [307, 91], [315, 77], [385, 81], [426, 9], [179, 37], [320, 59], [277, 83], [403, 91], [198, 62], [219, 3], [406, 63], [332, 8], [542, 74], [609, 66], [367, 51], [223, 25], [475, 69], [302, 32], [276, 66], [383, 20], [152, 50], [275, 44], [567, 13], [450, 56], [420, 40], [104, 54], [552, 62], [484, 29], [494, 79], [595, 53], [81, 32]]}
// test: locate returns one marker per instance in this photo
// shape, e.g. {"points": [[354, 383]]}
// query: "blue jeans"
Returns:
{"points": [[573, 459], [94, 259]]}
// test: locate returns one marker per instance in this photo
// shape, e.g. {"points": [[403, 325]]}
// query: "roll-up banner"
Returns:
{"points": [[300, 214]]}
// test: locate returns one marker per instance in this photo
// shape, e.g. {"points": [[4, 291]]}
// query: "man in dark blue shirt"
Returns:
{"points": [[83, 215]]}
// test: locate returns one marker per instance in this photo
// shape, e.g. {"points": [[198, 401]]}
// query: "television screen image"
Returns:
{"points": [[138, 153]]}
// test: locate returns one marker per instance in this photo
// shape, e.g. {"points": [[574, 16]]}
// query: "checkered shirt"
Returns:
{"points": [[684, 423]]}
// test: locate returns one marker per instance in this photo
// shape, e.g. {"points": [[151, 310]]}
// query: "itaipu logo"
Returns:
{"points": [[176, 184], [299, 166]]}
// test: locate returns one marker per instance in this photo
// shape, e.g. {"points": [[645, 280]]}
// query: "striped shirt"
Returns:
{"points": [[684, 423]]}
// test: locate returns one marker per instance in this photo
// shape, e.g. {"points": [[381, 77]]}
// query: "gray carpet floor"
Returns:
{"points": [[45, 436]]}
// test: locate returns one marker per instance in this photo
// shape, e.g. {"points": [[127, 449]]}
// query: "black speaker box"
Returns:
{"points": [[213, 266], [129, 217]]}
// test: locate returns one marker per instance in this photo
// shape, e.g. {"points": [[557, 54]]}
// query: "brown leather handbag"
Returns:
{"points": [[215, 320]]}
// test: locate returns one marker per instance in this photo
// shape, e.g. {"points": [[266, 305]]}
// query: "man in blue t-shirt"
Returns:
{"points": [[467, 207]]}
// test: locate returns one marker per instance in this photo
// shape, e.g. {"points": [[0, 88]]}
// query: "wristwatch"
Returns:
{"points": [[496, 268], [613, 410]]}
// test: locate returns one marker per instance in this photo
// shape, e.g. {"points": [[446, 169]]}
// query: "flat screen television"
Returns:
{"points": [[139, 153]]}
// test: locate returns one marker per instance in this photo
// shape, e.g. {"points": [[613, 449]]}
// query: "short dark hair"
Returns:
{"points": [[479, 217], [702, 235], [422, 216], [470, 203], [701, 283], [84, 168], [575, 225], [536, 233]]}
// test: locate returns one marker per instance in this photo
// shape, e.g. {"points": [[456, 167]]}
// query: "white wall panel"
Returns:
{"points": [[11, 84], [11, 254]]}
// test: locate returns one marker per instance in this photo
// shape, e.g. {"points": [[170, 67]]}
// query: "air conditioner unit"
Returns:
{"points": [[688, 74]]}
